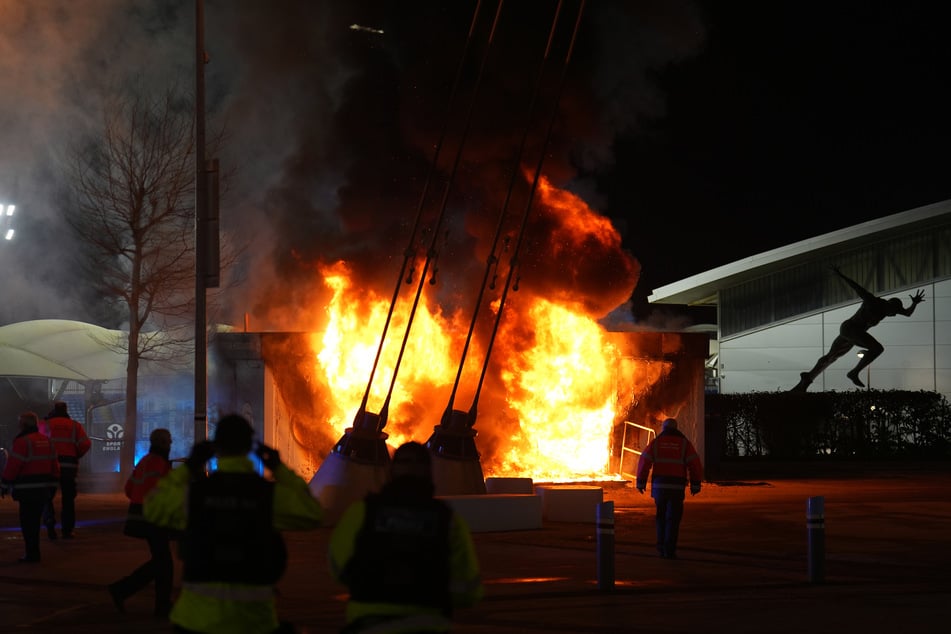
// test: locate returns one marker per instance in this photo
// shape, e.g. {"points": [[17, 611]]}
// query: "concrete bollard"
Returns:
{"points": [[816, 529], [605, 517]]}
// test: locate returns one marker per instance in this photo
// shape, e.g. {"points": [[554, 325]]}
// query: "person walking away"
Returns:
{"points": [[231, 548], [854, 332], [71, 443], [32, 473], [407, 558], [670, 459], [160, 567]]}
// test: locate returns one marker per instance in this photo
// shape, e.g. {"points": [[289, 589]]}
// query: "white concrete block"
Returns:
{"points": [[569, 503], [498, 512], [340, 482], [510, 485]]}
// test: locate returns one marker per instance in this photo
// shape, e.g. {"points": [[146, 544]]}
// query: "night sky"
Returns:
{"points": [[793, 119], [706, 131]]}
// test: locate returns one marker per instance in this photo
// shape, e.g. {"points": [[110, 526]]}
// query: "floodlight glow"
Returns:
{"points": [[11, 209], [8, 235]]}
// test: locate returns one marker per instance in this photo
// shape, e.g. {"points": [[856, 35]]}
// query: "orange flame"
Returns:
{"points": [[557, 386], [563, 391], [345, 351]]}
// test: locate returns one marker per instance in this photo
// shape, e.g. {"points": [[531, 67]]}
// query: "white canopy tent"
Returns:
{"points": [[62, 349], [71, 350]]}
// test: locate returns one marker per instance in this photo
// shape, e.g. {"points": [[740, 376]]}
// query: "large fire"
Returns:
{"points": [[555, 385]]}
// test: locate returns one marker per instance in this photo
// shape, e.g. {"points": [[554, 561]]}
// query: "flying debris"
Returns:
{"points": [[367, 29]]}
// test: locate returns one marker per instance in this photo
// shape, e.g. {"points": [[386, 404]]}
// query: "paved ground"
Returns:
{"points": [[743, 566]]}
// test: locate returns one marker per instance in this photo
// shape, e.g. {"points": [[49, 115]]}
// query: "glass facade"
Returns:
{"points": [[899, 262]]}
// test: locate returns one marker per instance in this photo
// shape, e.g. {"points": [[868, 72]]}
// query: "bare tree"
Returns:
{"points": [[134, 185]]}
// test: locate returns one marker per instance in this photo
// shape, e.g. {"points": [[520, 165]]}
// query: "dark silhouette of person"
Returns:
{"points": [[406, 557], [854, 332], [230, 522], [159, 568]]}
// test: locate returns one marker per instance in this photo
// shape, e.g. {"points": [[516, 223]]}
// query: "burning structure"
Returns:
{"points": [[514, 376], [575, 403], [580, 425]]}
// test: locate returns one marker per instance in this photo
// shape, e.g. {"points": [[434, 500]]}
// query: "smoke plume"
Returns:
{"points": [[331, 131]]}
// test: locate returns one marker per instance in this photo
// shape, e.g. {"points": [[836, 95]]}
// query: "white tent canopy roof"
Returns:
{"points": [[62, 349]]}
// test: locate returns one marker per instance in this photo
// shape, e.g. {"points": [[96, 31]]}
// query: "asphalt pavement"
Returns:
{"points": [[748, 563]]}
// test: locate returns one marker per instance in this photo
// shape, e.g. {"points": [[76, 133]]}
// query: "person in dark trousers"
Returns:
{"points": [[32, 473], [854, 332], [407, 558], [71, 443], [159, 568], [231, 547], [670, 459]]}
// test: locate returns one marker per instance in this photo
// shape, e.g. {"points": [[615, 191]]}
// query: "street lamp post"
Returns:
{"points": [[207, 253], [201, 231]]}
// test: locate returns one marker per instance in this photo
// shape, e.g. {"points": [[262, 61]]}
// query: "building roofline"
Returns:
{"points": [[702, 289]]}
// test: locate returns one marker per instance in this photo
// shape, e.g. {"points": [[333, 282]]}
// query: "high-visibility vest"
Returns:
{"points": [[32, 464], [70, 440], [670, 459], [145, 476]]}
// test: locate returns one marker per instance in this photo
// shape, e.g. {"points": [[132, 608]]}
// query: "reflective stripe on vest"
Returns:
{"points": [[68, 463], [668, 480], [36, 459], [230, 593], [373, 624], [20, 486], [72, 434], [146, 475]]}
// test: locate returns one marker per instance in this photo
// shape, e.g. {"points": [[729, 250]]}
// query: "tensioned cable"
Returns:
{"points": [[431, 253], [492, 260], [513, 262], [410, 252]]}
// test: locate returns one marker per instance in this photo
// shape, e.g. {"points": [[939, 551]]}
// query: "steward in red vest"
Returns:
{"points": [[71, 443], [672, 458], [31, 472]]}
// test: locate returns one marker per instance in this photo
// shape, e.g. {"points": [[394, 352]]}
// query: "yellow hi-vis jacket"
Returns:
{"points": [[221, 607], [465, 580]]}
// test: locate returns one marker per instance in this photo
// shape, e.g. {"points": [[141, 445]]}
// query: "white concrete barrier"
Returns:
{"points": [[569, 503], [498, 512], [509, 485]]}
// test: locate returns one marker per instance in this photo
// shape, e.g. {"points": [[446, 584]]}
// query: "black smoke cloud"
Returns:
{"points": [[331, 131], [357, 163]]}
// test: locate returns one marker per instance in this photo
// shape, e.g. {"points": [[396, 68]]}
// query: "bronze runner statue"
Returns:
{"points": [[854, 332]]}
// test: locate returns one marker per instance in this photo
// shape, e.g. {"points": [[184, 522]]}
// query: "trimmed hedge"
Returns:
{"points": [[854, 424]]}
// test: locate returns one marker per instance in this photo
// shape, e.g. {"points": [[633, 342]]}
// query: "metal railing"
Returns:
{"points": [[634, 441]]}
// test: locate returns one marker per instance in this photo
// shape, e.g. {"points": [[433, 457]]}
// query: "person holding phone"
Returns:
{"points": [[231, 518]]}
